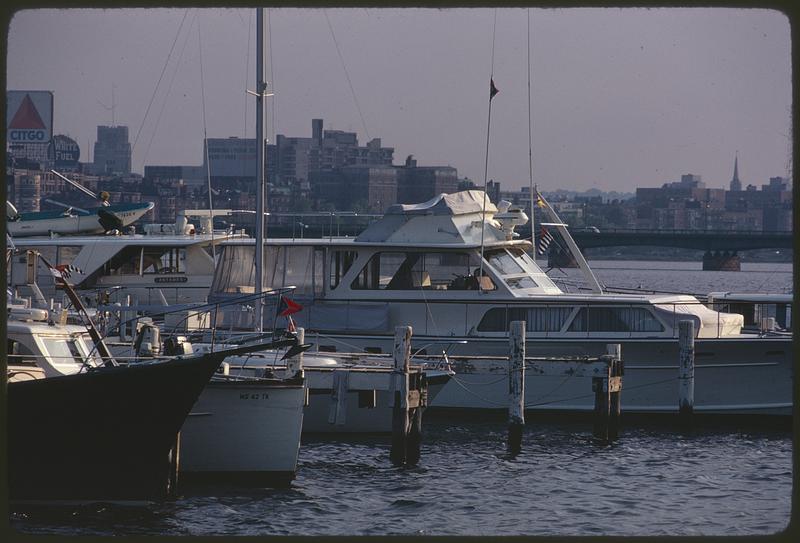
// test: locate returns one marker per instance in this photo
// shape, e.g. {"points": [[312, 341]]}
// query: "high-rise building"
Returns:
{"points": [[112, 151], [417, 184]]}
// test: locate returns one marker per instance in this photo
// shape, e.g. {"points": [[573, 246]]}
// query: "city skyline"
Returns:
{"points": [[621, 97]]}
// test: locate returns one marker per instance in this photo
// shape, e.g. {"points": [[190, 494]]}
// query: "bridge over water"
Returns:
{"points": [[720, 246], [707, 240]]}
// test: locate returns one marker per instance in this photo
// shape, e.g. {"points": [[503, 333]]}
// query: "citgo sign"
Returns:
{"points": [[30, 116]]}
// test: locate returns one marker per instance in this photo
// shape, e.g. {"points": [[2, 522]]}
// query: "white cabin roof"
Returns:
{"points": [[447, 219]]}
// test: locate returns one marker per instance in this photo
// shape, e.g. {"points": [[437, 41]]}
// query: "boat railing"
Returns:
{"points": [[631, 324]]}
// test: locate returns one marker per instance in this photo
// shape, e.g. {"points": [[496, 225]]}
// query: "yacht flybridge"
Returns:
{"points": [[455, 271]]}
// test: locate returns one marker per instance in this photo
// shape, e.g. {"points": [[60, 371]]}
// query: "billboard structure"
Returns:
{"points": [[64, 152], [29, 116]]}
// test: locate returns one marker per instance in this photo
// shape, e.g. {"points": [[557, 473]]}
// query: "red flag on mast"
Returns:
{"points": [[287, 307]]}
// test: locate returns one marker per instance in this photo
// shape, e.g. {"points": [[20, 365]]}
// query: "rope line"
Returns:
{"points": [[530, 142], [205, 138], [346, 74], [169, 90], [486, 159], [160, 77]]}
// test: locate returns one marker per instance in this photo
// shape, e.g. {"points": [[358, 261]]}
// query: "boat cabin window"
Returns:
{"points": [[341, 261], [126, 262], [298, 266], [537, 319], [504, 262], [163, 260], [62, 351], [615, 319], [60, 254], [413, 270], [19, 354], [518, 270]]}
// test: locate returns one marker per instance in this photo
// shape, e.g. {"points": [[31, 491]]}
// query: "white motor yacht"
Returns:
{"points": [[456, 271]]}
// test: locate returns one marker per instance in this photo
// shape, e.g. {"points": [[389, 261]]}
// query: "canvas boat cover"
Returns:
{"points": [[459, 203], [707, 322], [447, 219]]}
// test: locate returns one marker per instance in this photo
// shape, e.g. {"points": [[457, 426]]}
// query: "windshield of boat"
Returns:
{"points": [[516, 268], [68, 354]]}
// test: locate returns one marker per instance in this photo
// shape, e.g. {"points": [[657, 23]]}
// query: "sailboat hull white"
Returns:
{"points": [[248, 431]]}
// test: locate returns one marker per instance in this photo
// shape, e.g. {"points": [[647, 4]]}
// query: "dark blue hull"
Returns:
{"points": [[102, 435]]}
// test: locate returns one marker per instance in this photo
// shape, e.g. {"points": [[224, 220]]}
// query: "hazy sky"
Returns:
{"points": [[621, 97]]}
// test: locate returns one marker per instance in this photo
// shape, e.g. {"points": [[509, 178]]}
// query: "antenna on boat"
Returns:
{"points": [[530, 142], [492, 91]]}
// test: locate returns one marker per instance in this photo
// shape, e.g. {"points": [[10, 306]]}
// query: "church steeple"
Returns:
{"points": [[736, 185]]}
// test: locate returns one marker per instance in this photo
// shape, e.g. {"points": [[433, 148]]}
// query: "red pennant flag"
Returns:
{"points": [[287, 307]]}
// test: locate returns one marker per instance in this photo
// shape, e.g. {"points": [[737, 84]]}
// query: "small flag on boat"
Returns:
{"points": [[539, 201], [545, 238], [492, 89], [286, 307], [65, 271]]}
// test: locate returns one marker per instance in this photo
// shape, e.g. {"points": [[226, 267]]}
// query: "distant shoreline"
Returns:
{"points": [[683, 255]]}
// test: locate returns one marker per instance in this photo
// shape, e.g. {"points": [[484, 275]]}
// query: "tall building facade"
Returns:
{"points": [[112, 151], [421, 183]]}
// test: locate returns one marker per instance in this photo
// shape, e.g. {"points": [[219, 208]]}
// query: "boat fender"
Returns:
{"points": [[146, 349]]}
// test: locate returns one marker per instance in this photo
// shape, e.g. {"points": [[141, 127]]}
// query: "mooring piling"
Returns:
{"points": [[516, 386], [607, 389], [406, 404], [400, 415], [615, 399], [686, 369]]}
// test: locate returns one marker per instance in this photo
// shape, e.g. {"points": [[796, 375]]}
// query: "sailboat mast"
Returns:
{"points": [[261, 87]]}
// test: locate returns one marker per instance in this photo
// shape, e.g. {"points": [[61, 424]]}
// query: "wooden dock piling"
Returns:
{"points": [[686, 369], [607, 390], [516, 386], [615, 404], [606, 374], [401, 422]]}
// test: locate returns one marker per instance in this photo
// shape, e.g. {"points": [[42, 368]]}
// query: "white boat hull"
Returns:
{"points": [[243, 430], [744, 375]]}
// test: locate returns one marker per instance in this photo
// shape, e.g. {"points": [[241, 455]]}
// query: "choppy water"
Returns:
{"points": [[655, 480]]}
